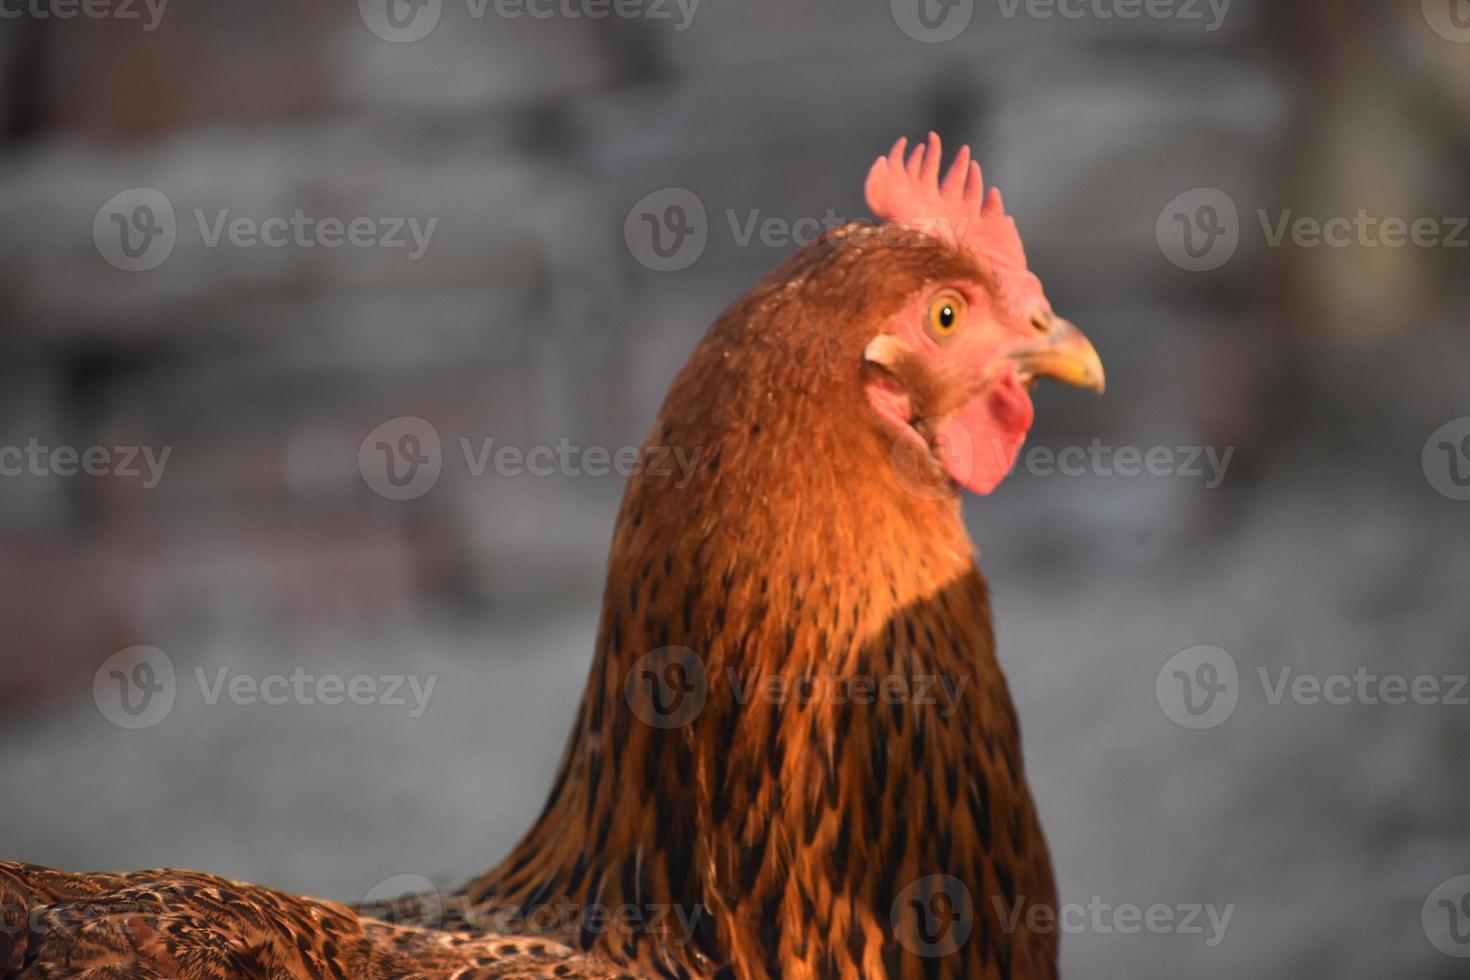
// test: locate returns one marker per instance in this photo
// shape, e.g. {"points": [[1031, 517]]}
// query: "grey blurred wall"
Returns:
{"points": [[538, 314]]}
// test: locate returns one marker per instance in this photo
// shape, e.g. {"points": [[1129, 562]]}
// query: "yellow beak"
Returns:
{"points": [[1065, 355]]}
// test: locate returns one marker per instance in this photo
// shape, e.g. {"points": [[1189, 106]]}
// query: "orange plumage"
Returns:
{"points": [[796, 755]]}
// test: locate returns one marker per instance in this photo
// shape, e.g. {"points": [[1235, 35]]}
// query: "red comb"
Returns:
{"points": [[957, 210]]}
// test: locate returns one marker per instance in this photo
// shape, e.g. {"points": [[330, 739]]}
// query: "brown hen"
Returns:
{"points": [[796, 755]]}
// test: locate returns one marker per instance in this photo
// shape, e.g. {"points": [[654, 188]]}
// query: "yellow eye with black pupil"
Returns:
{"points": [[946, 313]]}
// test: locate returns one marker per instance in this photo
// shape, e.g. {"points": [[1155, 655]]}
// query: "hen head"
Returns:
{"points": [[949, 372]]}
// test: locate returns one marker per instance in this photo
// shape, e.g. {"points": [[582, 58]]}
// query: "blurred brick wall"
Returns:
{"points": [[527, 319]]}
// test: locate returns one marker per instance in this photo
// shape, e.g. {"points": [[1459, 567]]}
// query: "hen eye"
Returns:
{"points": [[946, 313]]}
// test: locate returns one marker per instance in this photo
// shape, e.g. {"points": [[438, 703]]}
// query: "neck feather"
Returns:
{"points": [[794, 717]]}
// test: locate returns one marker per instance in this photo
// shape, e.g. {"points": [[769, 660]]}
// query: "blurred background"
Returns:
{"points": [[1157, 159]]}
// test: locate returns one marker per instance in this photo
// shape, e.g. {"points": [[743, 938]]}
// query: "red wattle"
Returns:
{"points": [[979, 443]]}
